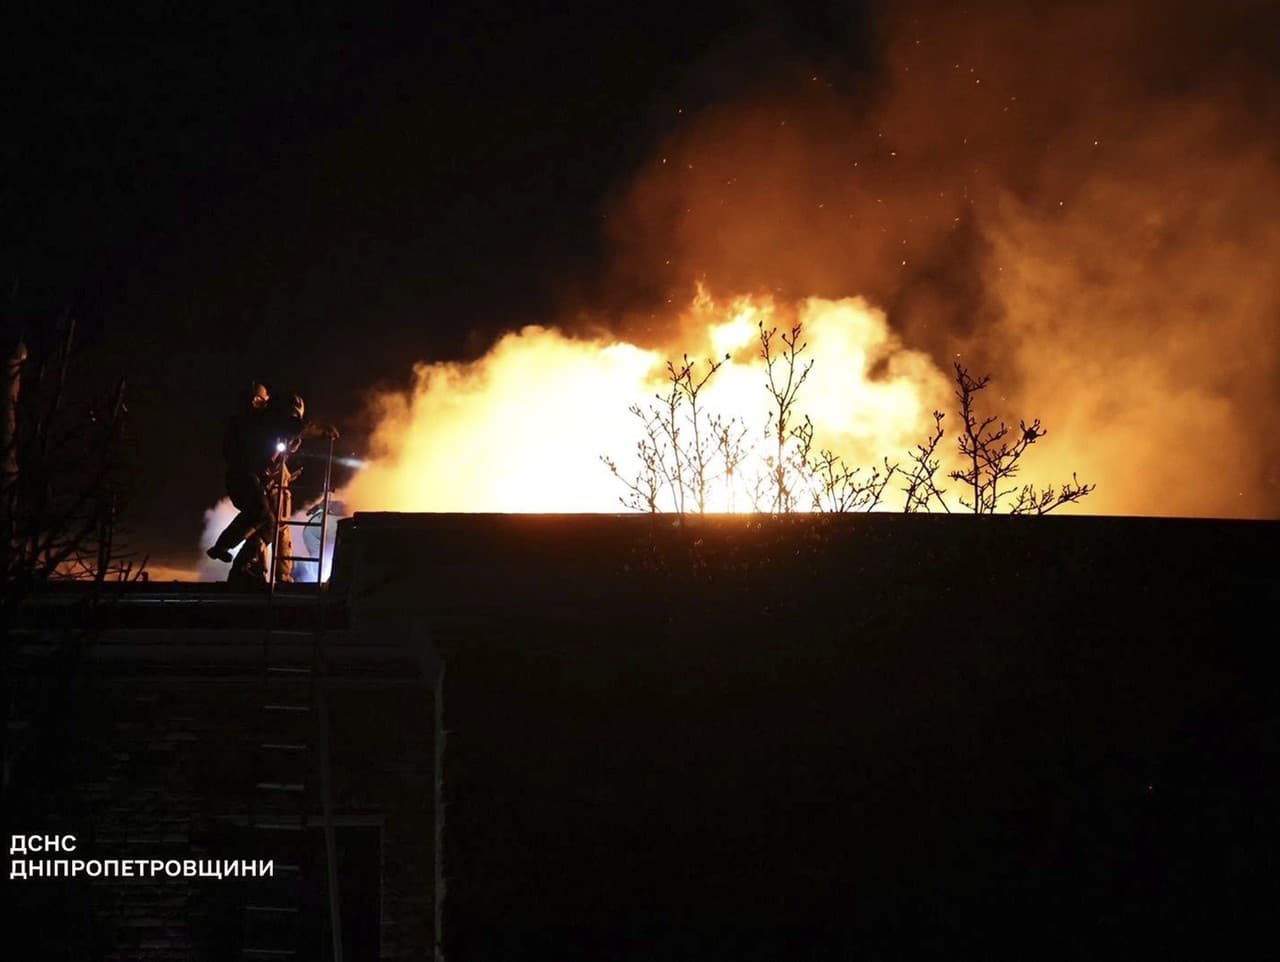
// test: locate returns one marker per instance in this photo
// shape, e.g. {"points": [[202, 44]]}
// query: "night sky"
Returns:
{"points": [[319, 197]]}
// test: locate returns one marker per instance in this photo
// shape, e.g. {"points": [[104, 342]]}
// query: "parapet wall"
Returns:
{"points": [[841, 736]]}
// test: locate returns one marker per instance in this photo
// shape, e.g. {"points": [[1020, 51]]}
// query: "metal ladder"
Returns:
{"points": [[293, 741]]}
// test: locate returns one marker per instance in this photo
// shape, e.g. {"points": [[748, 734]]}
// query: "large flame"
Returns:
{"points": [[523, 429]]}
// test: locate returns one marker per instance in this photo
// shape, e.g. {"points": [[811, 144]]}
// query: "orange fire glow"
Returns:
{"points": [[523, 428], [1082, 203]]}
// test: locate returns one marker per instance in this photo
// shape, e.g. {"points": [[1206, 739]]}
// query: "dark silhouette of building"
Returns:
{"points": [[620, 738]]}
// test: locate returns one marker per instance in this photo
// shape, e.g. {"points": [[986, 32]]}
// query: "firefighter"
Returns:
{"points": [[242, 484], [256, 446]]}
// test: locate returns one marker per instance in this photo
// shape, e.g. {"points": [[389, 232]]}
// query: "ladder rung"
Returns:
{"points": [[280, 786], [298, 557], [286, 670], [271, 908], [283, 747], [302, 524], [282, 827], [274, 953], [287, 707]]}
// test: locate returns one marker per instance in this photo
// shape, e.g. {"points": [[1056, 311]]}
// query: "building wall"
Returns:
{"points": [[155, 759], [746, 738], [845, 737]]}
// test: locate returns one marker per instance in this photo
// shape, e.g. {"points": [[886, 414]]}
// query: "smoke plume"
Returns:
{"points": [[1083, 202]]}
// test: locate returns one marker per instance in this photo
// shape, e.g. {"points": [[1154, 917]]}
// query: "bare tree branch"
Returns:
{"points": [[995, 458], [921, 488]]}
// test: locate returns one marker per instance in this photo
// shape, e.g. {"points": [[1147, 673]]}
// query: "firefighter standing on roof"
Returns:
{"points": [[256, 446]]}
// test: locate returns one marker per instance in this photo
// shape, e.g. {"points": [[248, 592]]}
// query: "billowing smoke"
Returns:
{"points": [[215, 519], [1083, 202]]}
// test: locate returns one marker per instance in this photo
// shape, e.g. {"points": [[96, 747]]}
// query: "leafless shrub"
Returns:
{"points": [[1044, 500], [643, 488], [683, 450], [67, 473], [698, 452], [832, 485], [993, 457], [732, 451], [922, 489], [785, 374]]}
